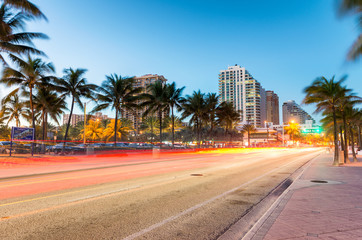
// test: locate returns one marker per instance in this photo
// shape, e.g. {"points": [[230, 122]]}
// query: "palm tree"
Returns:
{"points": [[14, 42], [48, 103], [30, 74], [353, 120], [174, 100], [353, 7], [249, 128], [212, 106], [93, 130], [150, 124], [119, 94], [326, 94], [156, 101], [14, 108], [123, 128], [26, 7], [293, 129], [73, 84], [227, 116], [194, 106], [346, 103]]}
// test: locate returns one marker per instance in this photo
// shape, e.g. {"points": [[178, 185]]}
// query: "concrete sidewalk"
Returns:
{"points": [[328, 208]]}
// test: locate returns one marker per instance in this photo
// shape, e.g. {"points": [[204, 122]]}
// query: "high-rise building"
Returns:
{"points": [[293, 112], [80, 118], [238, 86], [143, 81], [272, 107]]}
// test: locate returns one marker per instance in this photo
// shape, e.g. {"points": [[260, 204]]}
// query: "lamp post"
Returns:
{"points": [[283, 135], [85, 118]]}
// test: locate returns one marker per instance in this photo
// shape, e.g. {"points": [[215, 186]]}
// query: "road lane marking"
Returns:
{"points": [[172, 218], [50, 196], [123, 191], [104, 193], [23, 182]]}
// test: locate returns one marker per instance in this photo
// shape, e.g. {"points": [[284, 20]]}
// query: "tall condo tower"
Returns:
{"points": [[272, 107], [293, 112], [238, 86]]}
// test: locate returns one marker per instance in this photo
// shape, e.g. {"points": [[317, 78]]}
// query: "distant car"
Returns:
{"points": [[97, 145], [69, 148], [179, 146], [5, 147]]}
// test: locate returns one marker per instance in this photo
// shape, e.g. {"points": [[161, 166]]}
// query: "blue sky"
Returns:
{"points": [[284, 44]]}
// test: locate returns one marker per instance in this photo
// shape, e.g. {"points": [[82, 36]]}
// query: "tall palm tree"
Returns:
{"points": [[249, 128], [353, 7], [212, 105], [174, 100], [27, 7], [119, 94], [49, 104], [194, 106], [13, 41], [348, 100], [14, 108], [73, 84], [156, 101], [326, 94], [227, 116], [352, 119], [30, 74]]}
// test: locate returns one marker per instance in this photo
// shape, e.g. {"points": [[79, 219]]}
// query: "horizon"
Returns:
{"points": [[284, 45]]}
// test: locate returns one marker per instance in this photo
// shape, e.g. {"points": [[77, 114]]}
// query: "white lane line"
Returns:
{"points": [[152, 227], [104, 193]]}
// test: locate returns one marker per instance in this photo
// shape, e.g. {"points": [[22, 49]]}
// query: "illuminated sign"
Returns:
{"points": [[311, 130]]}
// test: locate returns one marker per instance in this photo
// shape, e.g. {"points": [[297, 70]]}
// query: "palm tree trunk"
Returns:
{"points": [[346, 159], [152, 130], [43, 120], [32, 109], [115, 128], [352, 143], [46, 125], [43, 133], [32, 117], [160, 119], [249, 138], [341, 136], [336, 155], [173, 127], [69, 119], [359, 137]]}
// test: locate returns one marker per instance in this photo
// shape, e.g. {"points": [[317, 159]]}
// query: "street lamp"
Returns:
{"points": [[283, 131], [267, 129], [85, 117]]}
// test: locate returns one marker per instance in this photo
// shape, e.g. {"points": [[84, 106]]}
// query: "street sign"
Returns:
{"points": [[311, 130], [25, 134], [19, 133]]}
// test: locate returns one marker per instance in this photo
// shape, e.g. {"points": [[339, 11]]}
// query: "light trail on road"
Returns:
{"points": [[166, 192]]}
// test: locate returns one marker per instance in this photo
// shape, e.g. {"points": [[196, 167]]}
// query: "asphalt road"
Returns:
{"points": [[188, 196]]}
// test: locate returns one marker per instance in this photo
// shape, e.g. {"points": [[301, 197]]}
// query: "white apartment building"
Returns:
{"points": [[238, 86]]}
